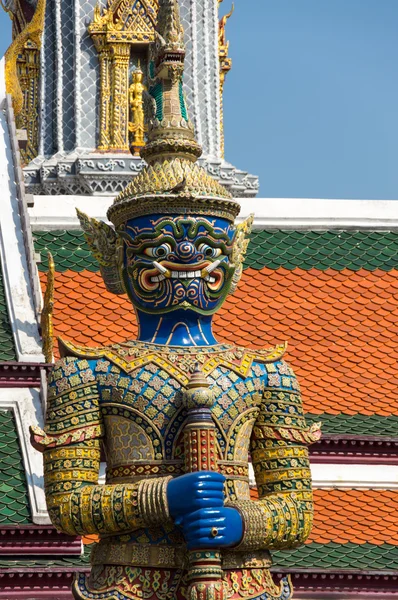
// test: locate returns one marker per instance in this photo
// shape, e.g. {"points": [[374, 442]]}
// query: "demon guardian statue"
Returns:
{"points": [[176, 412]]}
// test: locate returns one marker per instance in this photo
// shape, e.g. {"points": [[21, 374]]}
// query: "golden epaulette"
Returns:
{"points": [[178, 361]]}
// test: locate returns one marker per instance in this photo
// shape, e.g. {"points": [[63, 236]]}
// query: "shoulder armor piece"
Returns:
{"points": [[113, 353], [67, 348], [130, 355], [269, 355], [41, 441]]}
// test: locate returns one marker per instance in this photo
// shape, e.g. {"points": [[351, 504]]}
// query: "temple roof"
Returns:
{"points": [[326, 293], [14, 501], [360, 533], [337, 250], [7, 347]]}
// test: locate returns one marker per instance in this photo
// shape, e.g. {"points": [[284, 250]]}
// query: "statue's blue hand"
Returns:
{"points": [[213, 528], [191, 492]]}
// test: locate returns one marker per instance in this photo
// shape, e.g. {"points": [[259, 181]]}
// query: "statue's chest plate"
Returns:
{"points": [[144, 416]]}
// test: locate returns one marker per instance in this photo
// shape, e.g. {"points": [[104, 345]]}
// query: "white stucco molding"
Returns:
{"points": [[59, 212], [355, 476], [350, 476], [320, 214], [26, 406], [12, 251]]}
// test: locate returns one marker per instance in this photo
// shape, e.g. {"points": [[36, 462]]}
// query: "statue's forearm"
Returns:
{"points": [[277, 521], [282, 517], [78, 507]]}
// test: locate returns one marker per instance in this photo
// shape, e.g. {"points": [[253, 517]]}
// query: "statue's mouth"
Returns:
{"points": [[182, 275], [205, 270]]}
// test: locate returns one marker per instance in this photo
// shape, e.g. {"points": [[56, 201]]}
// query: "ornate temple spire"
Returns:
{"points": [[171, 131], [172, 179]]}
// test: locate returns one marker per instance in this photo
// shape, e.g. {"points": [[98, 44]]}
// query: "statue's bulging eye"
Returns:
{"points": [[159, 251], [208, 251]]}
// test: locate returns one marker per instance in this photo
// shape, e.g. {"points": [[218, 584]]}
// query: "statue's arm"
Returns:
{"points": [[70, 443], [282, 516]]}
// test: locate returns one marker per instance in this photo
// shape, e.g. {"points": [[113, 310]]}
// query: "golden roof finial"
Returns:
{"points": [[225, 67], [221, 29], [46, 318]]}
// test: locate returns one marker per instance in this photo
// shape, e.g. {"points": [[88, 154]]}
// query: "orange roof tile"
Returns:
{"points": [[328, 317], [354, 516]]}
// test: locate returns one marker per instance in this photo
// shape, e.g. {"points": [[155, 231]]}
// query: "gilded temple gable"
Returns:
{"points": [[126, 21]]}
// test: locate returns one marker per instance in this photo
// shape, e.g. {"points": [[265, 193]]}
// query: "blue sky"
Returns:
{"points": [[311, 103]]}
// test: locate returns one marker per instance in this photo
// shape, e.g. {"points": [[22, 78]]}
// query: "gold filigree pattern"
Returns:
{"points": [[243, 231], [179, 365], [128, 442], [104, 245], [155, 190]]}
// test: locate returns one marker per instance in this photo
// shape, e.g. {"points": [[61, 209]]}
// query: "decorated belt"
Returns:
{"points": [[160, 468], [168, 557]]}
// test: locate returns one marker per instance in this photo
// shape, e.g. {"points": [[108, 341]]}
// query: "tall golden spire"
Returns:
{"points": [[172, 180], [171, 132]]}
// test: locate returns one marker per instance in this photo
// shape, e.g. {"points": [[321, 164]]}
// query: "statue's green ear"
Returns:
{"points": [[105, 247], [241, 242]]}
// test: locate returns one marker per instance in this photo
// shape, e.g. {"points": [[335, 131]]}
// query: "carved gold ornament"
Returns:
{"points": [[136, 101], [115, 31], [225, 67], [22, 79], [103, 243], [46, 319]]}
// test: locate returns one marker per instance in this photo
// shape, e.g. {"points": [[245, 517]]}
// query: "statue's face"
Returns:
{"points": [[174, 262]]}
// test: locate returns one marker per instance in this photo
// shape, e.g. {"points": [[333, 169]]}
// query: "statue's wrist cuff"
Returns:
{"points": [[152, 501], [255, 525]]}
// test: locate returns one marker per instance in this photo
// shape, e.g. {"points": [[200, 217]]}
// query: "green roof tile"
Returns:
{"points": [[338, 556], [375, 425], [268, 248], [48, 563], [323, 250], [69, 250], [320, 556], [14, 501], [7, 348]]}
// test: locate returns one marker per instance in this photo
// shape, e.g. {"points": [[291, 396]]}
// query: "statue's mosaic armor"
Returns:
{"points": [[128, 398]]}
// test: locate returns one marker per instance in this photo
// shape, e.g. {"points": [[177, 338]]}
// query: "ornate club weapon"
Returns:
{"points": [[205, 572]]}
